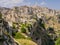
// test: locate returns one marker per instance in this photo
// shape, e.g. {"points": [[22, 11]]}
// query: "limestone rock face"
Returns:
{"points": [[23, 14], [40, 35], [6, 31]]}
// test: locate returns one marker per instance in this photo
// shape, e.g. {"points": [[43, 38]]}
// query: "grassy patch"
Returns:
{"points": [[57, 41], [26, 42], [19, 36]]}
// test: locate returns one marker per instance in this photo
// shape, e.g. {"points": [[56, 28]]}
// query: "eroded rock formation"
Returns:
{"points": [[6, 33], [40, 18]]}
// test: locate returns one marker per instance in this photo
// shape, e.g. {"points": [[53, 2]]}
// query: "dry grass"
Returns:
{"points": [[25, 42]]}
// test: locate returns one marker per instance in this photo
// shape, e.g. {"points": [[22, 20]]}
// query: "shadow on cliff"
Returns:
{"points": [[40, 35], [6, 31]]}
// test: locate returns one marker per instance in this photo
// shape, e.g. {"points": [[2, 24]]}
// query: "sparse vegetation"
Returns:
{"points": [[35, 26], [18, 35], [26, 42], [57, 41], [14, 25], [23, 30]]}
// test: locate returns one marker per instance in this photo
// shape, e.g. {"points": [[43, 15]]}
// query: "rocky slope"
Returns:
{"points": [[28, 14], [25, 12], [6, 31], [45, 22]]}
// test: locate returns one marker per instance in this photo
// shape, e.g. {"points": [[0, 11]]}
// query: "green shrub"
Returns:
{"points": [[13, 26], [57, 41], [24, 27], [23, 30], [19, 36], [29, 38]]}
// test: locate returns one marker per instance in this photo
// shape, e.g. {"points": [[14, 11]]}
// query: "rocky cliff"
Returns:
{"points": [[35, 15], [26, 12], [6, 31]]}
